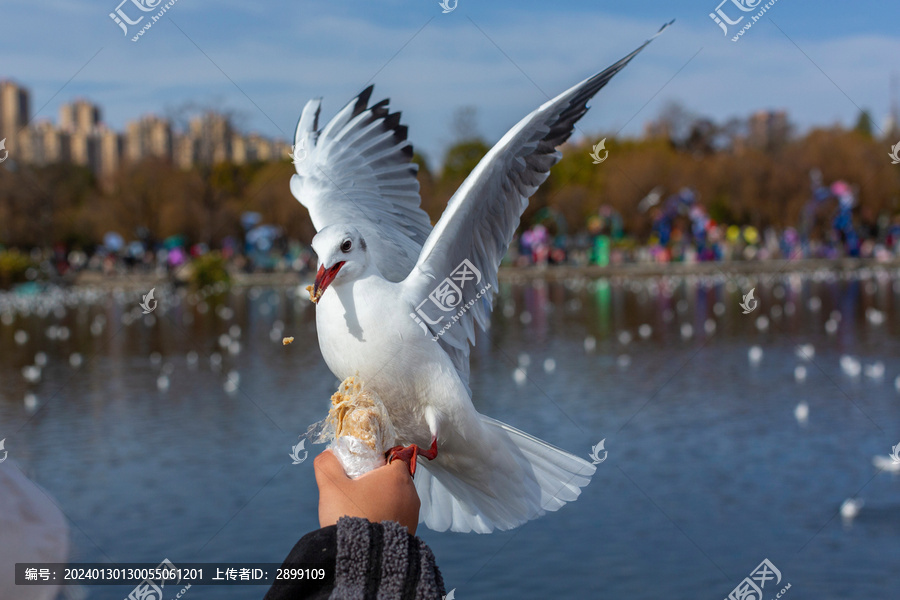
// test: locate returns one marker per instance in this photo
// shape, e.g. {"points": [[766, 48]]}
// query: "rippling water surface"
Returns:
{"points": [[151, 455]]}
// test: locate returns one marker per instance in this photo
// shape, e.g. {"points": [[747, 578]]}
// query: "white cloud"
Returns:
{"points": [[280, 58]]}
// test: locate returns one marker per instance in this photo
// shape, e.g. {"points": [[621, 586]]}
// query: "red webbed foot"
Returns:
{"points": [[409, 453]]}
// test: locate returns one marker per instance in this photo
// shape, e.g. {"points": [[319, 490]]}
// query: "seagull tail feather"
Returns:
{"points": [[542, 478]]}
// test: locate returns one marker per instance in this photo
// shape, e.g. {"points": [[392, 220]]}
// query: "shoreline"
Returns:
{"points": [[507, 274]]}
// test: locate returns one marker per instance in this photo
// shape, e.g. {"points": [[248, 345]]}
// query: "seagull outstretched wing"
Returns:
{"points": [[357, 170], [483, 214]]}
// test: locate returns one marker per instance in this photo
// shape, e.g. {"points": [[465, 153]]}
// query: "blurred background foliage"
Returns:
{"points": [[759, 184]]}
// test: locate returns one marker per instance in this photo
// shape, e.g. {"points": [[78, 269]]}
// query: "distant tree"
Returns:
{"points": [[430, 203], [211, 130], [266, 192], [764, 183], [140, 196], [420, 160], [40, 205], [467, 149], [864, 124], [702, 138], [731, 132], [676, 121], [461, 158]]}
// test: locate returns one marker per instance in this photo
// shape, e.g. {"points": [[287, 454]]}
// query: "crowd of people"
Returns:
{"points": [[681, 230]]}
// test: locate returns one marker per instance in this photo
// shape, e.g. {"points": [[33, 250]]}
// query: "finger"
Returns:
{"points": [[397, 470], [400, 469], [328, 468]]}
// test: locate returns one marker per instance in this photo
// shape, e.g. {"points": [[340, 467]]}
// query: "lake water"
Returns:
{"points": [[708, 470]]}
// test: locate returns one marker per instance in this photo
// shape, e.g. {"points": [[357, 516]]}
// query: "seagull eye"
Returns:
{"points": [[345, 247]]}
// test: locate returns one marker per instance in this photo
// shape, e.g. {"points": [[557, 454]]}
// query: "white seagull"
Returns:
{"points": [[398, 301]]}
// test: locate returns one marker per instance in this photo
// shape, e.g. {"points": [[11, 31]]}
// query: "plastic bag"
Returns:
{"points": [[358, 428]]}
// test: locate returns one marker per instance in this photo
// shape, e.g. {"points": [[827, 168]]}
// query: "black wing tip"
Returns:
{"points": [[400, 136], [562, 129], [663, 28], [603, 77], [318, 113], [392, 121], [380, 110], [401, 133], [362, 100]]}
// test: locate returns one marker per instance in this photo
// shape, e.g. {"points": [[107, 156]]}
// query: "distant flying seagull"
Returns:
{"points": [[398, 301]]}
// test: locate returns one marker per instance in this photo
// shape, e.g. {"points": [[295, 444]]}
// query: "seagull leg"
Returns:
{"points": [[408, 454]]}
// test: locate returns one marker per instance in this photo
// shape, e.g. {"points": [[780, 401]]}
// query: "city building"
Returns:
{"points": [[80, 121], [79, 117], [81, 137], [185, 152], [239, 150], [111, 151], [15, 110], [212, 134], [768, 129], [151, 136]]}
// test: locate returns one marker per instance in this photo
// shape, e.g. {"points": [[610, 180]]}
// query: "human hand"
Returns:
{"points": [[383, 494]]}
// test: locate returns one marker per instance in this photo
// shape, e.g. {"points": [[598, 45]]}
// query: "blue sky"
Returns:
{"points": [[818, 60]]}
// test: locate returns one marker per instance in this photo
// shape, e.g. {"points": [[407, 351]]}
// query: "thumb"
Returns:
{"points": [[329, 470]]}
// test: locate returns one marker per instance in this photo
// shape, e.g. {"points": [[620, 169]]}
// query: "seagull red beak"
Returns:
{"points": [[323, 279]]}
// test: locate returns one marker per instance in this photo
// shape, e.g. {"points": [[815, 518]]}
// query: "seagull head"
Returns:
{"points": [[342, 257]]}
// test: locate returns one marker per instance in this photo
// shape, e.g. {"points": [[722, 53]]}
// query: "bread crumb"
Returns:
{"points": [[314, 297], [287, 341]]}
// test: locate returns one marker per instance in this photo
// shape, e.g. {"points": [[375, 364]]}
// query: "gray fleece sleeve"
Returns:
{"points": [[383, 561]]}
